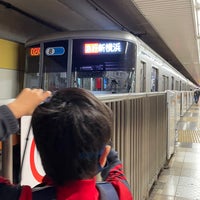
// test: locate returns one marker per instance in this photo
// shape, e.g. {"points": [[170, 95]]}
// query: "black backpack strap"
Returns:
{"points": [[107, 191], [8, 192], [41, 192]]}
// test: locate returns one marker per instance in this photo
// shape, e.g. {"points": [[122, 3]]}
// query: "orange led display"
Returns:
{"points": [[102, 48], [91, 48], [35, 51]]}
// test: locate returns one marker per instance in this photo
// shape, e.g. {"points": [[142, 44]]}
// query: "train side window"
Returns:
{"points": [[172, 83], [154, 79], [177, 85], [142, 76], [184, 86], [180, 86], [165, 83]]}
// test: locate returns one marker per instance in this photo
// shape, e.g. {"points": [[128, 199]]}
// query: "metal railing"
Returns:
{"points": [[140, 137], [141, 134]]}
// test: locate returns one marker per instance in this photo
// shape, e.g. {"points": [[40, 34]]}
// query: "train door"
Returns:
{"points": [[142, 76], [154, 79]]}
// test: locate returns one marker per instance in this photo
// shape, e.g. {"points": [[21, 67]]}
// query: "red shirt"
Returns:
{"points": [[80, 189]]}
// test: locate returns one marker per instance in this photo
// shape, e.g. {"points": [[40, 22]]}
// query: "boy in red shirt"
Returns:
{"points": [[72, 131]]}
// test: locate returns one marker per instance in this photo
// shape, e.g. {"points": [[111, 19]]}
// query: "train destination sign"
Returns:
{"points": [[102, 48], [55, 51], [50, 51], [35, 51]]}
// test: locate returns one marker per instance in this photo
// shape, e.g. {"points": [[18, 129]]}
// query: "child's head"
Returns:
{"points": [[71, 131]]}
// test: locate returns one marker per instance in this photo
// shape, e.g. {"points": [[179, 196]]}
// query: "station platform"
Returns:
{"points": [[180, 180]]}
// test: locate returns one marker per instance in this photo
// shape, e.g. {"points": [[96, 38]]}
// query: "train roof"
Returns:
{"points": [[118, 35]]}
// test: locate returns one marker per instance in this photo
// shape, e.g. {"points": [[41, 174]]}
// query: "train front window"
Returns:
{"points": [[103, 66], [55, 65], [32, 67]]}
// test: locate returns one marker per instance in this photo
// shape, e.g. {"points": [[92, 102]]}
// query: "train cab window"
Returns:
{"points": [[142, 76], [165, 83], [154, 79], [55, 65], [172, 83], [103, 66], [32, 67]]}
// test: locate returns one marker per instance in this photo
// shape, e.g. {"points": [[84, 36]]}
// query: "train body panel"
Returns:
{"points": [[101, 61]]}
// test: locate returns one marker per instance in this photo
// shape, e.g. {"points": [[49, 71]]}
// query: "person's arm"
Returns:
{"points": [[8, 122], [24, 104], [114, 174]]}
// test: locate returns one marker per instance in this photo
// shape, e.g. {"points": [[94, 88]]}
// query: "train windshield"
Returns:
{"points": [[103, 66], [32, 67], [55, 65], [49, 69]]}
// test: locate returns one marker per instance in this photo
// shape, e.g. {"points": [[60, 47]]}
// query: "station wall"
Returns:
{"points": [[12, 62]]}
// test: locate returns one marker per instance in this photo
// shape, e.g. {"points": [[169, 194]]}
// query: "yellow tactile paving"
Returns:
{"points": [[189, 136], [191, 119], [180, 180], [190, 132]]}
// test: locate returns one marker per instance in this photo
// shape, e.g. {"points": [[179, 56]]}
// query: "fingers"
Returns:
{"points": [[38, 94], [46, 94]]}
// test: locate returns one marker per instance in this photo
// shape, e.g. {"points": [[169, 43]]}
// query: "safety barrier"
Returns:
{"points": [[140, 136], [144, 133]]}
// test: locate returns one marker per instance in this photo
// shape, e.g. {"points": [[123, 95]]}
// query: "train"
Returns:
{"points": [[104, 62], [113, 62]]}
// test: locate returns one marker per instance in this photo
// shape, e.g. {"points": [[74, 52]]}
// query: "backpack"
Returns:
{"points": [[42, 192]]}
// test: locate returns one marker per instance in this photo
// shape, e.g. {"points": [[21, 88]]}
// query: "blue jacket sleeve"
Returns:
{"points": [[8, 123], [112, 161], [114, 174]]}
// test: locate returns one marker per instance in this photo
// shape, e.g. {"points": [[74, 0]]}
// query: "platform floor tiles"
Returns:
{"points": [[181, 180]]}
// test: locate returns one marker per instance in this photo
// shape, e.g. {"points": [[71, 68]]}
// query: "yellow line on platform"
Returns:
{"points": [[189, 136]]}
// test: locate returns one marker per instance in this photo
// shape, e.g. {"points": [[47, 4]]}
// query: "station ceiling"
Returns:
{"points": [[167, 26]]}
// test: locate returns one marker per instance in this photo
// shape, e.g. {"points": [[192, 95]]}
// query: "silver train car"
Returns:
{"points": [[104, 62]]}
